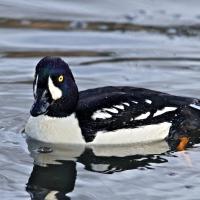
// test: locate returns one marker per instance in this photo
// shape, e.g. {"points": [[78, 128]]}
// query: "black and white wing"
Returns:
{"points": [[112, 108]]}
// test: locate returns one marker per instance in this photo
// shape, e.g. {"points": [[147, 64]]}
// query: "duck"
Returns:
{"points": [[109, 115]]}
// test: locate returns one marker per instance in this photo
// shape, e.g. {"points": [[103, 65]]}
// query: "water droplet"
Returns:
{"points": [[45, 150]]}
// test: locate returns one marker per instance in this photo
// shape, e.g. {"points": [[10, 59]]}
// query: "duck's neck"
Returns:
{"points": [[65, 106]]}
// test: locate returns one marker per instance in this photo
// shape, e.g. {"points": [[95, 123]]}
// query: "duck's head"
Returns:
{"points": [[54, 88]]}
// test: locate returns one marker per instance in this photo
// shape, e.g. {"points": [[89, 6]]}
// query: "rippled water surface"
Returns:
{"points": [[142, 43]]}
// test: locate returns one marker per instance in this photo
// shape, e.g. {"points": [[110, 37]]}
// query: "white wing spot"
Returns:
{"points": [[100, 115], [148, 101], [126, 104], [131, 119], [164, 110], [135, 102], [113, 110], [56, 93], [143, 116], [195, 106], [119, 106]]}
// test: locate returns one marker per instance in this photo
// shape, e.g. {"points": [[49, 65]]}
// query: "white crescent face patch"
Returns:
{"points": [[56, 92]]}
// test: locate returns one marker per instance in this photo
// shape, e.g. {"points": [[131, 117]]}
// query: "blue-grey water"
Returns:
{"points": [[148, 43]]}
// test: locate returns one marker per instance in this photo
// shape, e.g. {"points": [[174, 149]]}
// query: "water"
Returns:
{"points": [[139, 43]]}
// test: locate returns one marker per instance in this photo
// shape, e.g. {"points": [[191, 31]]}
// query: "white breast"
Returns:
{"points": [[144, 134], [55, 130]]}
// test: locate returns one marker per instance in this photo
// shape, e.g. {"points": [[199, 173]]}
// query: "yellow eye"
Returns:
{"points": [[61, 78]]}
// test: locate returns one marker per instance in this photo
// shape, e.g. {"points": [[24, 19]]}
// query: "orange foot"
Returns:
{"points": [[183, 143]]}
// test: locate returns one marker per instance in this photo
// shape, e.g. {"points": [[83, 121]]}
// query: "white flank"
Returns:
{"points": [[164, 110], [144, 134], [55, 130], [113, 110], [135, 102], [51, 195], [148, 101], [119, 107], [56, 93], [127, 104], [99, 114], [195, 106], [143, 116]]}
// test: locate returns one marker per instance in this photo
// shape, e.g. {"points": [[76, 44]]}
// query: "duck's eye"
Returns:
{"points": [[60, 78]]}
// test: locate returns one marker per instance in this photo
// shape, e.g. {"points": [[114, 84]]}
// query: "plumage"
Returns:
{"points": [[122, 112]]}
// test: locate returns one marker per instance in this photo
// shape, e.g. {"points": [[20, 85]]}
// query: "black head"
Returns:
{"points": [[54, 87]]}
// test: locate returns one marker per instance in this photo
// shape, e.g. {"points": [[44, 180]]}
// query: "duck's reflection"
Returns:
{"points": [[54, 172], [52, 181], [108, 165]]}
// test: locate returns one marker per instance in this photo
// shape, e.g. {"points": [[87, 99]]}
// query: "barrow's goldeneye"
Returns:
{"points": [[106, 115]]}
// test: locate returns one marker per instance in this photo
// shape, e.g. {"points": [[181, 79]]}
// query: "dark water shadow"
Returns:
{"points": [[52, 181]]}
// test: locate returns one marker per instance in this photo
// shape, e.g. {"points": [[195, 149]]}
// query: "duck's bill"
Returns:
{"points": [[41, 104]]}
